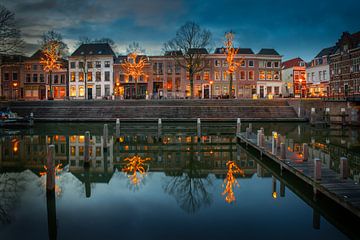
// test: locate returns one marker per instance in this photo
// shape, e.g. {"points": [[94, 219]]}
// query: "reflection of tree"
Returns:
{"points": [[10, 186], [135, 170], [230, 181], [189, 188]]}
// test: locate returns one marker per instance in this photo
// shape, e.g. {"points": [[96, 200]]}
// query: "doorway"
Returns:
{"points": [[89, 92], [261, 91]]}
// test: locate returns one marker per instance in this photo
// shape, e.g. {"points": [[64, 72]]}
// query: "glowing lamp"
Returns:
{"points": [[274, 195]]}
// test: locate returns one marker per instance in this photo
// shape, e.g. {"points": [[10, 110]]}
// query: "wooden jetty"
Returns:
{"points": [[335, 186]]}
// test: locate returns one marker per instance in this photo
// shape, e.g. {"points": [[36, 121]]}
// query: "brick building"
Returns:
{"points": [[11, 77], [294, 78], [345, 66]]}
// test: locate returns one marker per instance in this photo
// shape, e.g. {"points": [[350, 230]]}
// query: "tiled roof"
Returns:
{"points": [[12, 59], [173, 53], [37, 55], [295, 62], [93, 49], [268, 51], [240, 50], [326, 52], [197, 51]]}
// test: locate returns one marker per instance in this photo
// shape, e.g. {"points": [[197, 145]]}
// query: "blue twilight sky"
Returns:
{"points": [[293, 28]]}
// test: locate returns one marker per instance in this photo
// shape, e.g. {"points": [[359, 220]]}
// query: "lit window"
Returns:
{"points": [[81, 91], [89, 76], [224, 76], [206, 75], [72, 91], [81, 76], [72, 78], [268, 75], [262, 75]]}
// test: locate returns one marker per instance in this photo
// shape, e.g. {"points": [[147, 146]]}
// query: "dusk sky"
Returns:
{"points": [[293, 28]]}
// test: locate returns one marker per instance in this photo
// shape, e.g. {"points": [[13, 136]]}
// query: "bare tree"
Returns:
{"points": [[135, 47], [10, 39], [51, 37], [187, 48]]}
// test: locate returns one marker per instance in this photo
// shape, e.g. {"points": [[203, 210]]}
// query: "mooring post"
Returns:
{"points": [[344, 168], [282, 151], [105, 136], [258, 138], [31, 121], [282, 189], [250, 127], [159, 128], [273, 142], [50, 168], [343, 116], [305, 152], [247, 133], [274, 194], [198, 123], [278, 142], [238, 126], [87, 150], [327, 116], [354, 116], [317, 169], [117, 127], [312, 116], [262, 140]]}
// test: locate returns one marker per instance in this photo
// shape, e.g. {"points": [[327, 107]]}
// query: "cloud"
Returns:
{"points": [[293, 28]]}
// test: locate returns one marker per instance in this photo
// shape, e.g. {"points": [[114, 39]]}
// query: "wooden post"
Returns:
{"points": [[31, 122], [87, 150], [274, 194], [198, 124], [343, 116], [117, 127], [50, 168], [238, 126], [327, 116], [305, 152], [105, 136], [159, 128], [273, 143], [282, 189], [262, 140], [317, 169], [258, 138], [344, 168], [282, 151], [312, 116]]}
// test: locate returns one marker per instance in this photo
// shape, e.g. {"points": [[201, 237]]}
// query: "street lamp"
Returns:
{"points": [[211, 89], [300, 81], [15, 84]]}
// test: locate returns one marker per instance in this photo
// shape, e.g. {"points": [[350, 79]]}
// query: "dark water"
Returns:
{"points": [[180, 195]]}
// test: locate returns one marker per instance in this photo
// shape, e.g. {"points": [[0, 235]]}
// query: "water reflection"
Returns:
{"points": [[192, 172], [136, 168], [230, 181]]}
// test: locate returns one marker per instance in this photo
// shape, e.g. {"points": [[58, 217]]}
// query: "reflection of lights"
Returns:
{"points": [[81, 138], [230, 181], [121, 139], [211, 152], [274, 195], [134, 166]]}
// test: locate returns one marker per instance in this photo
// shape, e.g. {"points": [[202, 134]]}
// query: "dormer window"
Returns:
{"points": [[100, 52], [82, 53]]}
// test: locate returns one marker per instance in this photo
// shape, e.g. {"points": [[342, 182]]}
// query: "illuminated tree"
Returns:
{"points": [[53, 36], [50, 61], [230, 181], [10, 39], [230, 53], [186, 48], [134, 66]]}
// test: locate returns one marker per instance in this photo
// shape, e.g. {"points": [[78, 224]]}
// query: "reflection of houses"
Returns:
{"points": [[97, 153]]}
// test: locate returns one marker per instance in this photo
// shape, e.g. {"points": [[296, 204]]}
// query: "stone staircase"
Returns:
{"points": [[104, 110]]}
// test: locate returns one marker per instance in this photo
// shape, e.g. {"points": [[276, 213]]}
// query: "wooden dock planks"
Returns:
{"points": [[345, 192]]}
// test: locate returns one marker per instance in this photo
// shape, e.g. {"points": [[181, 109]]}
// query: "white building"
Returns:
{"points": [[91, 72], [269, 77], [318, 74]]}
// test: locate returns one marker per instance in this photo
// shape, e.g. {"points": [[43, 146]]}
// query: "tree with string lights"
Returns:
{"points": [[134, 66], [50, 61], [230, 53]]}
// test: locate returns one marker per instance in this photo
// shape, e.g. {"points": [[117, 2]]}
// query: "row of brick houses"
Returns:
{"points": [[94, 71]]}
